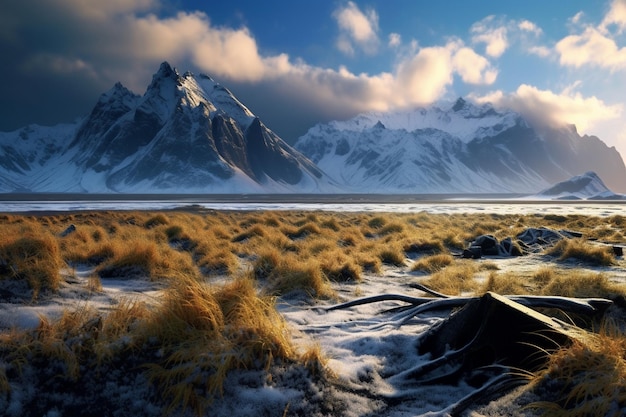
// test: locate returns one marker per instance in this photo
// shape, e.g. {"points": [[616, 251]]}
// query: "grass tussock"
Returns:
{"points": [[184, 348], [291, 275], [207, 332], [432, 263], [392, 255], [33, 258], [456, 279], [504, 284], [582, 284], [582, 250], [585, 379]]}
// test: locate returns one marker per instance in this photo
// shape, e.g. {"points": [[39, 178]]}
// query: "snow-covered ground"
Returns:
{"points": [[367, 350], [458, 205]]}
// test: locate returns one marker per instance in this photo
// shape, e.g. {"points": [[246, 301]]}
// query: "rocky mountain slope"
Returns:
{"points": [[186, 134], [189, 134], [456, 149]]}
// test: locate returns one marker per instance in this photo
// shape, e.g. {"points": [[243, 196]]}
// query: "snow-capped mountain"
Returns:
{"points": [[461, 148], [186, 134], [587, 186]]}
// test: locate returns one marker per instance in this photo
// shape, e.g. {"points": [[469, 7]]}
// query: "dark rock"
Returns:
{"points": [[488, 244], [70, 229], [474, 252]]}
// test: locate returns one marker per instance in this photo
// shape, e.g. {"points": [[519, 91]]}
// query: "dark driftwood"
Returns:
{"points": [[588, 306], [492, 342]]}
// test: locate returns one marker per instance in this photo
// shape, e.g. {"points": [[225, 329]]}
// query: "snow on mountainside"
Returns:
{"points": [[461, 148], [587, 186], [186, 134]]}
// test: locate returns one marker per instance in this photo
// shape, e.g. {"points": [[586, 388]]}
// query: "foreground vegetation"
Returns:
{"points": [[204, 326]]}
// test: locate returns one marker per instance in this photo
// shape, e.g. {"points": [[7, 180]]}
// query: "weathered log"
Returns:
{"points": [[496, 329], [588, 306]]}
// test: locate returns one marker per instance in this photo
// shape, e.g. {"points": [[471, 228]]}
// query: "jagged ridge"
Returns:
{"points": [[186, 133], [454, 149]]}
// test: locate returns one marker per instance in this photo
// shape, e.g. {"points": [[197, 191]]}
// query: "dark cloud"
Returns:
{"points": [[70, 51]]}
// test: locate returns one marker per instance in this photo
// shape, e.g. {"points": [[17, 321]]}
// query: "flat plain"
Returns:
{"points": [[213, 312]]}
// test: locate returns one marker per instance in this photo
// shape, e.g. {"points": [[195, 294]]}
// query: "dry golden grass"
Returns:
{"points": [[581, 284], [582, 250], [456, 279], [31, 257], [432, 263], [200, 332], [237, 322], [590, 377], [206, 332], [291, 274], [504, 284]]}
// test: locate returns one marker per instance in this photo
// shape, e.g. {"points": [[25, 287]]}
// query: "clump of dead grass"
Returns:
{"points": [[34, 258], [456, 279], [582, 284], [587, 378], [432, 263], [582, 250], [206, 332], [504, 284]]}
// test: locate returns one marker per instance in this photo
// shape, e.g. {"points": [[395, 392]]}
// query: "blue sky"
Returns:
{"points": [[299, 62]]}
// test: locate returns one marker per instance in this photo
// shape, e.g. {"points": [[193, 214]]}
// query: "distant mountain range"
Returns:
{"points": [[189, 134], [456, 149]]}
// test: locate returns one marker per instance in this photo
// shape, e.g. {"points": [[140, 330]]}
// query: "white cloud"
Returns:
{"points": [[473, 68], [591, 47], [528, 26], [129, 46], [547, 107], [357, 29], [493, 33], [595, 46], [394, 40], [615, 16], [541, 51]]}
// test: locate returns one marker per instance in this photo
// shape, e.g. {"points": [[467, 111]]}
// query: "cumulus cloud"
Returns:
{"points": [[595, 46], [555, 109], [129, 45], [493, 33], [615, 16], [530, 27], [357, 29], [473, 68]]}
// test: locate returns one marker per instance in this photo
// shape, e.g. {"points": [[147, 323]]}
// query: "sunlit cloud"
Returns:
{"points": [[491, 32], [473, 68], [545, 107], [142, 40], [358, 29], [615, 16], [530, 27], [593, 48]]}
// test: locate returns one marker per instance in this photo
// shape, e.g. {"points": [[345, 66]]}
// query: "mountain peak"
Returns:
{"points": [[459, 104], [166, 71]]}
